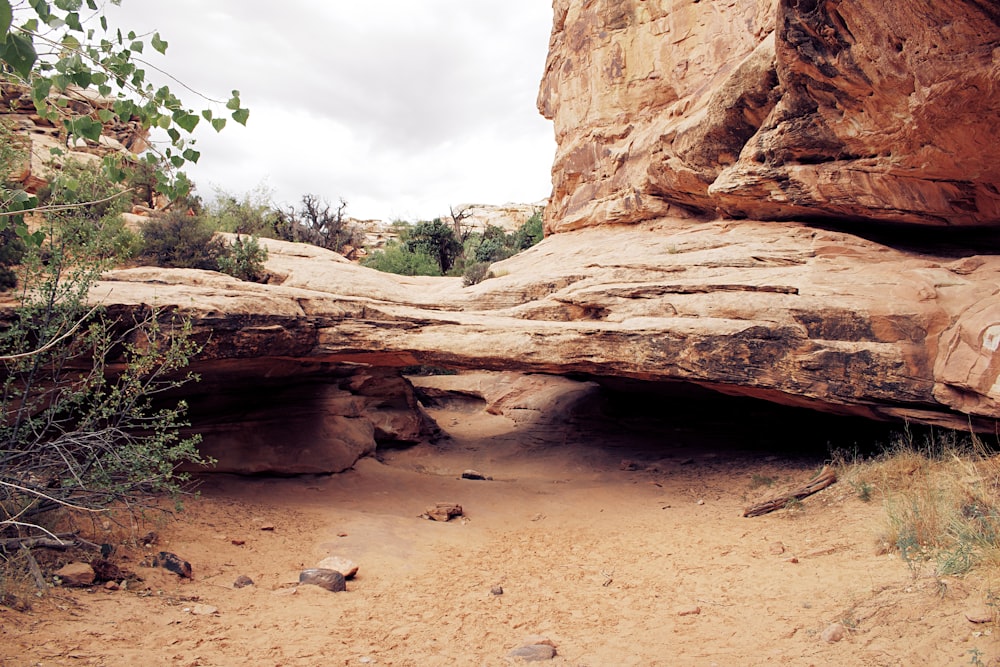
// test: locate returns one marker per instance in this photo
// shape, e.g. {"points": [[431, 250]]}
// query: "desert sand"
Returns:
{"points": [[620, 540]]}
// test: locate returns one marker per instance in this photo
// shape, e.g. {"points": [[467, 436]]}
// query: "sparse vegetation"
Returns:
{"points": [[465, 253], [80, 429], [940, 492], [476, 273], [244, 259]]}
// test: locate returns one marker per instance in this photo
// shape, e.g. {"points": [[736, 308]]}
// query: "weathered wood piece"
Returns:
{"points": [[823, 479]]}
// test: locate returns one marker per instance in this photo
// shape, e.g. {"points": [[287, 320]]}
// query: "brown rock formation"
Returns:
{"points": [[268, 414], [781, 311], [860, 110], [669, 116]]}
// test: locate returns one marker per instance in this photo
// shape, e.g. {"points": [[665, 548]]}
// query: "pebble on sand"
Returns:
{"points": [[345, 566], [331, 580], [533, 653], [833, 633]]}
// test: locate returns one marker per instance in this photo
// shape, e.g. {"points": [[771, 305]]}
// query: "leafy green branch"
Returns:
{"points": [[82, 79]]}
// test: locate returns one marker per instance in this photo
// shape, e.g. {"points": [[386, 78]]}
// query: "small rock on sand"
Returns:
{"points": [[345, 566], [534, 652], [331, 580], [173, 563], [76, 574], [242, 581], [204, 610], [443, 512], [833, 633]]}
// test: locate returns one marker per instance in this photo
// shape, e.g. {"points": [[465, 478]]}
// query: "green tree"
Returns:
{"points": [[80, 424], [66, 59], [436, 240], [530, 233]]}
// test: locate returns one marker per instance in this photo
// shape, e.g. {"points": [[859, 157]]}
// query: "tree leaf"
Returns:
{"points": [[6, 17], [191, 155], [84, 126], [219, 124], [186, 121], [20, 54], [40, 87], [241, 116], [158, 44]]}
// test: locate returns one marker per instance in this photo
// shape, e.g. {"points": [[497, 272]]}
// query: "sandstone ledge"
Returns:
{"points": [[777, 310]]}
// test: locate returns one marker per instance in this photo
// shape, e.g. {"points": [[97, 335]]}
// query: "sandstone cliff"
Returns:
{"points": [[774, 109]]}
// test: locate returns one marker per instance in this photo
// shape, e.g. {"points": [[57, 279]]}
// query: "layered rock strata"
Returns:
{"points": [[778, 310], [774, 109]]}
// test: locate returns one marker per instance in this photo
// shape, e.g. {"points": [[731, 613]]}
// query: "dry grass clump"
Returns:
{"points": [[941, 494]]}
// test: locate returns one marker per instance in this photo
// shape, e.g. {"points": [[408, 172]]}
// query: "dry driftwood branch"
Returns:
{"points": [[64, 541], [36, 572], [823, 479]]}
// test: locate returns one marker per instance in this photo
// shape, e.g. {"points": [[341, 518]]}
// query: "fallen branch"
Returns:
{"points": [[64, 541], [36, 572], [823, 479]]}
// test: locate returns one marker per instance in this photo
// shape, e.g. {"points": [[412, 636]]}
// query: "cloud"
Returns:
{"points": [[402, 108]]}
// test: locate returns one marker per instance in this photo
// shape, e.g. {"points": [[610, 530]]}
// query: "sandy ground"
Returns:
{"points": [[650, 566]]}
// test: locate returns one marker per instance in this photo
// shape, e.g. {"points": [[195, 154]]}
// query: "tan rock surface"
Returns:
{"points": [[780, 311], [774, 110]]}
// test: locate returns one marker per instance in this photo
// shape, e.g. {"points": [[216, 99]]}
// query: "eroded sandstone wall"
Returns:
{"points": [[774, 109]]}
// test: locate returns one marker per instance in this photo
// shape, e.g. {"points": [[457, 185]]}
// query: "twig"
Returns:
{"points": [[64, 207], [71, 506], [823, 479], [36, 572], [54, 341]]}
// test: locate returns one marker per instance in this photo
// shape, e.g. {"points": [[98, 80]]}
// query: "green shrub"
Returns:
{"points": [[252, 214], [92, 225], [245, 259], [179, 240], [11, 251], [476, 273], [397, 258], [530, 233]]}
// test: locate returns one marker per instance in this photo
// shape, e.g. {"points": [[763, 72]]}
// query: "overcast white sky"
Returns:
{"points": [[402, 108]]}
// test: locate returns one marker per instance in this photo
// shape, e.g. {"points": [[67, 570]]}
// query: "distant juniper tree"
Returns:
{"points": [[437, 240]]}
